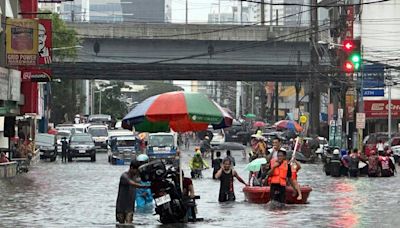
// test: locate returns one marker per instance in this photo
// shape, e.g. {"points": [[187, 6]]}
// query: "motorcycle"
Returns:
{"points": [[197, 174], [167, 195]]}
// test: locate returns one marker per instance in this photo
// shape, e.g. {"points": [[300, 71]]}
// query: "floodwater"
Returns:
{"points": [[83, 194]]}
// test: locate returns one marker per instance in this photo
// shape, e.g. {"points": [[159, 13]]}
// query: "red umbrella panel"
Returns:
{"points": [[259, 124]]}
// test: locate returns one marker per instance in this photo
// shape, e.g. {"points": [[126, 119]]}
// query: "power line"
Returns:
{"points": [[310, 5]]}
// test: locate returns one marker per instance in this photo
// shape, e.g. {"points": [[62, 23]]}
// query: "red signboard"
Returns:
{"points": [[348, 31], [36, 75], [44, 41], [379, 109]]}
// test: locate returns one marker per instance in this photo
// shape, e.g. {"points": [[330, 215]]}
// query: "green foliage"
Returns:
{"points": [[65, 101], [154, 88], [112, 102]]}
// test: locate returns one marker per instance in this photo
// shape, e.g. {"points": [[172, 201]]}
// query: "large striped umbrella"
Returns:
{"points": [[179, 111], [289, 125]]}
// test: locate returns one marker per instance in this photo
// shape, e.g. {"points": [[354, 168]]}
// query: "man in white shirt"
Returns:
{"points": [[380, 147], [276, 146]]}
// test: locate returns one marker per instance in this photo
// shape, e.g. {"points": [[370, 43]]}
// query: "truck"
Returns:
{"points": [[123, 148], [162, 145]]}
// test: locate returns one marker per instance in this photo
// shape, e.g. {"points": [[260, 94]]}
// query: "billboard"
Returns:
{"points": [[45, 42], [373, 76], [378, 109], [36, 75], [21, 41]]}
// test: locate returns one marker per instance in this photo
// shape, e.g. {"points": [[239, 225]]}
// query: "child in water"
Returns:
{"points": [[225, 174]]}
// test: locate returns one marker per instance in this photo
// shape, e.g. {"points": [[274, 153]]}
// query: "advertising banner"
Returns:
{"points": [[379, 109], [21, 41], [45, 42], [36, 75], [3, 84], [15, 85]]}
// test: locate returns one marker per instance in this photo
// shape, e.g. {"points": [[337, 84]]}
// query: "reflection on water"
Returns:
{"points": [[84, 194]]}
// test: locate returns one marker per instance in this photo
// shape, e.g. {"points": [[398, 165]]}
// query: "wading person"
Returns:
{"points": [[64, 146], [226, 175], [127, 192]]}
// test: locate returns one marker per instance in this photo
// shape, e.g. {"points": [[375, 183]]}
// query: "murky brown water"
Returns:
{"points": [[83, 194]]}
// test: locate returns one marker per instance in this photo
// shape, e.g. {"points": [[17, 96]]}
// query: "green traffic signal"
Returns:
{"points": [[355, 58]]}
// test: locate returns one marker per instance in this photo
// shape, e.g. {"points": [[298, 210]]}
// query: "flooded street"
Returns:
{"points": [[83, 194]]}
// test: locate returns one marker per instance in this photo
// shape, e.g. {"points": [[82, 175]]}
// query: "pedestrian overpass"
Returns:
{"points": [[138, 51]]}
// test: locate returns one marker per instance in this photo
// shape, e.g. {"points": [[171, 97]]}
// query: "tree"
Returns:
{"points": [[155, 87], [112, 102], [66, 101]]}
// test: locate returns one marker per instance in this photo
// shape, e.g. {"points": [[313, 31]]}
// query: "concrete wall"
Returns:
{"points": [[190, 32]]}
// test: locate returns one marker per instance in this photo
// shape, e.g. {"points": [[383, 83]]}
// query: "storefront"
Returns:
{"points": [[376, 113]]}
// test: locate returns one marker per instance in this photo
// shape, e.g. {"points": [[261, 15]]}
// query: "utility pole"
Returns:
{"points": [[389, 77], [219, 11], [241, 12], [276, 102], [314, 92], [262, 13], [187, 8]]}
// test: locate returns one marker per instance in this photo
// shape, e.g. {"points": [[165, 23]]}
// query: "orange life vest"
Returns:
{"points": [[280, 173]]}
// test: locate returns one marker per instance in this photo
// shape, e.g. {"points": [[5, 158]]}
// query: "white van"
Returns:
{"points": [[99, 133]]}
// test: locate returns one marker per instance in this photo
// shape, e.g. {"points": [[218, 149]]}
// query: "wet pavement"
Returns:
{"points": [[83, 194]]}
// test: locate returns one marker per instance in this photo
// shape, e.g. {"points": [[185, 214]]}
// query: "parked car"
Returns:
{"points": [[394, 144], [47, 146], [66, 127], [123, 147], [237, 133], [162, 146], [370, 141], [81, 128], [218, 136], [99, 133], [61, 134], [81, 145]]}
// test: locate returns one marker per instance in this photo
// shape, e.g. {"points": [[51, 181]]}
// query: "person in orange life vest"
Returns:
{"points": [[295, 167], [280, 173]]}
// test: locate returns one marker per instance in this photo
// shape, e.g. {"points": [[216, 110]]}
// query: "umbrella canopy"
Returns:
{"points": [[259, 124], [255, 165], [179, 111], [288, 124], [250, 116], [230, 146]]}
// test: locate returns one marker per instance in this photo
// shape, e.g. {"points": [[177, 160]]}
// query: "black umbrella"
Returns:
{"points": [[229, 146]]}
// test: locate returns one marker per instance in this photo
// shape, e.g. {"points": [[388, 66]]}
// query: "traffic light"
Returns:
{"points": [[351, 57]]}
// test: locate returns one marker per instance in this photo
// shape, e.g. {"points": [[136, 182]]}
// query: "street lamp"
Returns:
{"points": [[102, 90]]}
